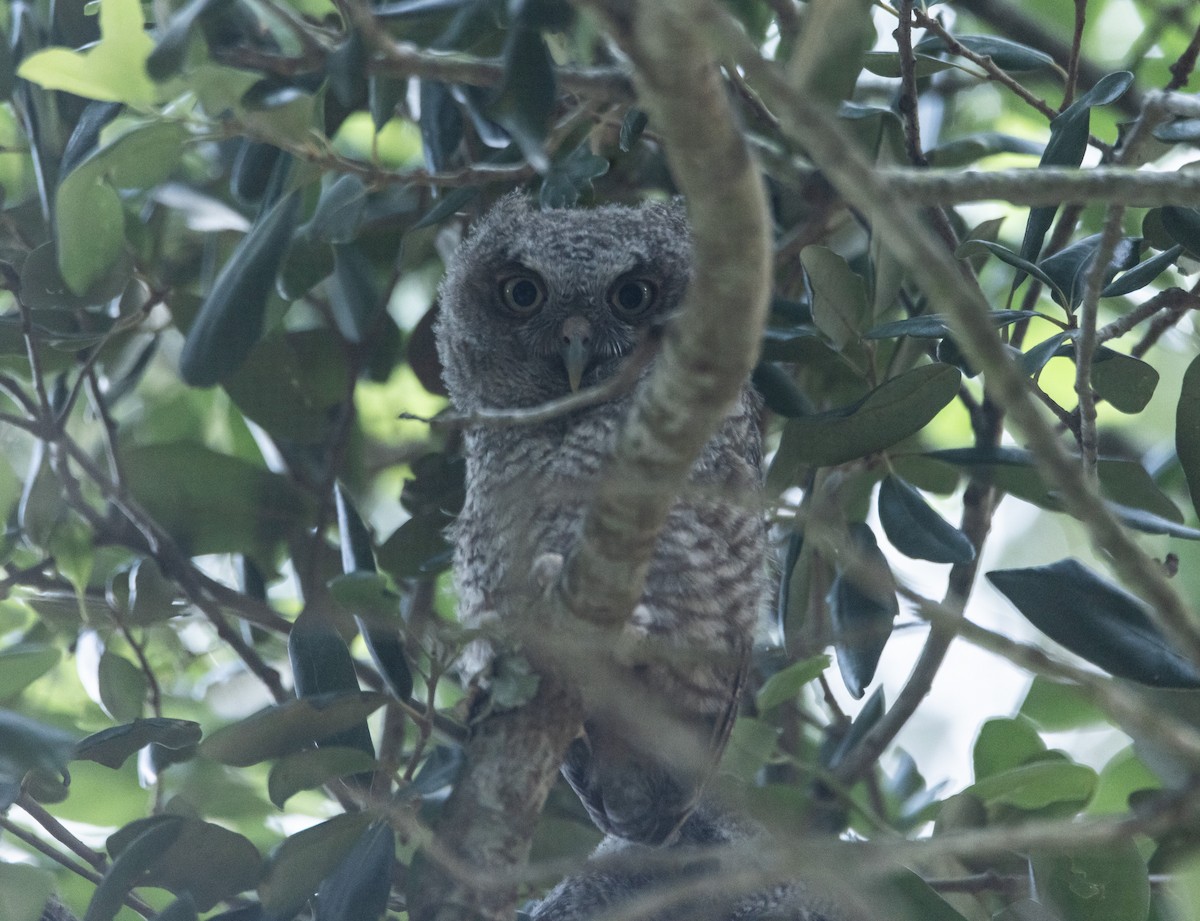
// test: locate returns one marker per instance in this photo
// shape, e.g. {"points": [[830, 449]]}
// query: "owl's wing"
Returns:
{"points": [[645, 795]]}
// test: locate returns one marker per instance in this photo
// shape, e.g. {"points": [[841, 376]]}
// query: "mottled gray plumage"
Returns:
{"points": [[533, 304]]}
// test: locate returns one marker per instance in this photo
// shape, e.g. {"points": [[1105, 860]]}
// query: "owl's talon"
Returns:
{"points": [[546, 570]]}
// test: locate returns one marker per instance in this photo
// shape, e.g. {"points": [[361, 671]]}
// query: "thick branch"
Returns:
{"points": [[1048, 186]]}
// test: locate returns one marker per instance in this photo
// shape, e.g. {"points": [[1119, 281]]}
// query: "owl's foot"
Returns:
{"points": [[545, 571]]}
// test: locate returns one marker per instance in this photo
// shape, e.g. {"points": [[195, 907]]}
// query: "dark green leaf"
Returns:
{"points": [[308, 769], [787, 683], [905, 888], [936, 325], [354, 297], [1034, 359], [839, 296], [1142, 520], [889, 414], [1181, 129], [965, 150], [1183, 226], [862, 607], [321, 666], [230, 319], [525, 98], [439, 771], [304, 859], [1127, 383], [209, 862], [1068, 268], [213, 503], [288, 727], [358, 888], [418, 548], [182, 909], [866, 720], [1007, 54], [632, 126], [915, 529], [135, 858], [253, 168], [1096, 620], [111, 747], [975, 247], [569, 179], [1142, 274], [779, 391], [441, 124], [1187, 430], [887, 64], [27, 745], [167, 58], [123, 687], [338, 214]]}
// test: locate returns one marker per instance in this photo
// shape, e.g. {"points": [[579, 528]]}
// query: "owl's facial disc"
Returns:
{"points": [[576, 348]]}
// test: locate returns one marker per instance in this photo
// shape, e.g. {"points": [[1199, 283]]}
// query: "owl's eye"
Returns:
{"points": [[632, 297], [522, 294]]}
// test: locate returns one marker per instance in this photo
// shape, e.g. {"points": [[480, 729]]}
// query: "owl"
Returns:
{"points": [[535, 305]]}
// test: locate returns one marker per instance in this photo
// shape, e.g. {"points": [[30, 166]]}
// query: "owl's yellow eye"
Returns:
{"points": [[523, 294], [632, 297]]}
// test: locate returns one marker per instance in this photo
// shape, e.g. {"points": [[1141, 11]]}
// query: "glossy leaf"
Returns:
{"points": [[322, 666], [862, 607], [288, 727], [204, 860], [27, 745], [358, 888], [892, 412], [1127, 383], [1096, 620], [1009, 55], [1183, 225], [354, 296], [230, 319], [441, 124], [1142, 274], [1069, 267], [971, 248], [632, 126], [915, 529], [1004, 744], [525, 98], [1037, 785], [123, 687], [305, 770], [168, 55], [111, 747], [1187, 430], [135, 858], [779, 391], [966, 150], [337, 217], [418, 548], [937, 326], [304, 859]]}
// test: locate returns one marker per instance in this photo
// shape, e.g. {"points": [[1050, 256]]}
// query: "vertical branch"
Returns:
{"points": [[1076, 45]]}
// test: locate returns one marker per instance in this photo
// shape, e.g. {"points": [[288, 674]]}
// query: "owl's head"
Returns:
{"points": [[536, 304]]}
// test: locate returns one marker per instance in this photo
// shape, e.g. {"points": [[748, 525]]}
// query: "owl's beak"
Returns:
{"points": [[576, 349]]}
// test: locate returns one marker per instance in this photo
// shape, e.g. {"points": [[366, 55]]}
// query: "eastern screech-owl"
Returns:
{"points": [[535, 305]]}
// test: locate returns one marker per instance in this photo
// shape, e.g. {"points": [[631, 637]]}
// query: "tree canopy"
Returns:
{"points": [[958, 244]]}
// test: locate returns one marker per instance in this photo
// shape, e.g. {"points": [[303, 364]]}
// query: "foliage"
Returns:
{"points": [[224, 551]]}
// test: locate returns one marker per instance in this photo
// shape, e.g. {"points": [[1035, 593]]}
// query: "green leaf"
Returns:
{"points": [[826, 62], [632, 126], [123, 687], [1127, 383], [937, 326], [1004, 53], [919, 900], [1148, 522], [570, 178], [1183, 226], [418, 548], [304, 859], [1032, 360], [1185, 130], [971, 248], [308, 769], [915, 529], [89, 221], [354, 296], [1057, 707], [786, 683], [1187, 430], [1004, 744], [230, 319], [862, 608], [207, 861], [1100, 883], [111, 747], [441, 124], [839, 296], [1096, 620], [1142, 274], [114, 70], [526, 96], [214, 503], [868, 717], [182, 909], [887, 64], [24, 891], [155, 836], [1037, 785], [892, 412], [168, 56], [966, 150], [288, 727], [292, 384], [358, 888], [338, 214], [1123, 776], [24, 663], [321, 666], [779, 391], [27, 745], [1068, 268]]}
